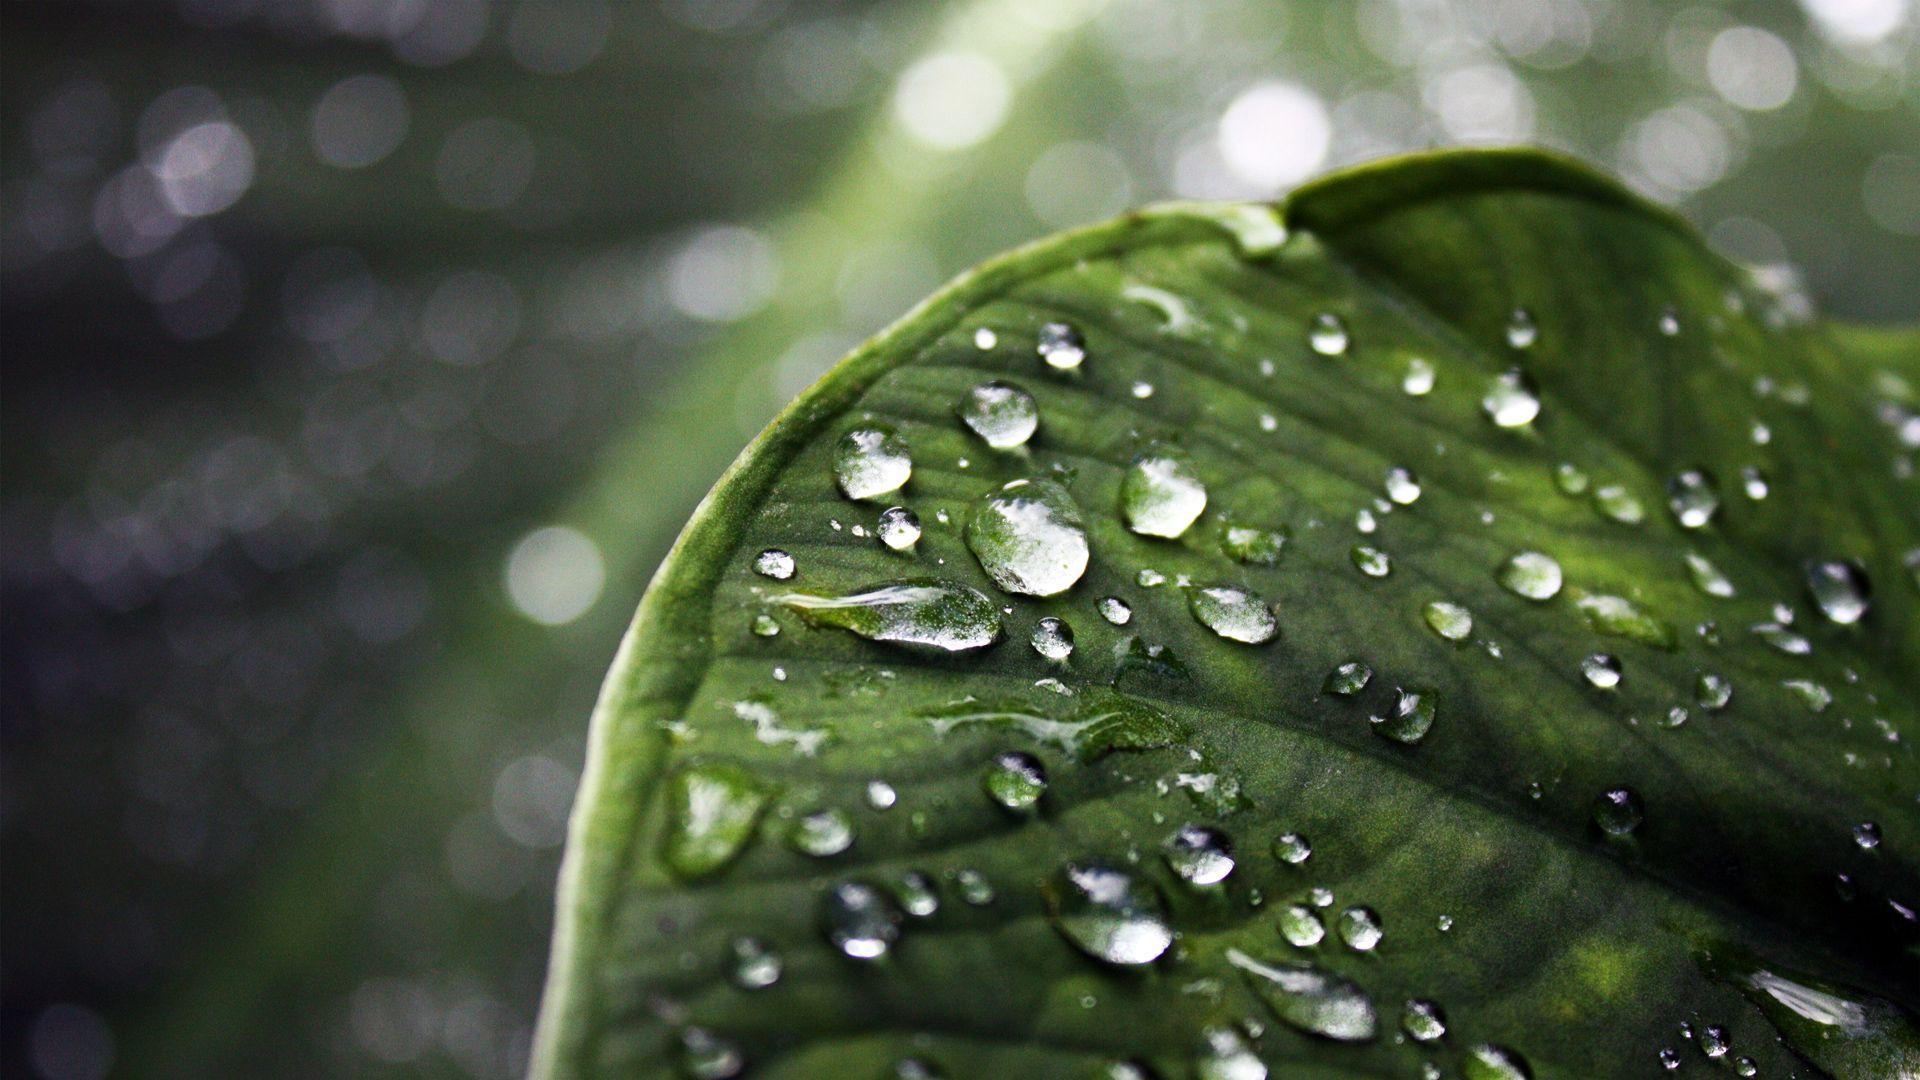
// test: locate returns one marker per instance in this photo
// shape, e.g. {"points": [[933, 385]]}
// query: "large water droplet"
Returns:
{"points": [[869, 462], [1161, 496], [1490, 1062], [1423, 1021], [1617, 811], [1001, 413], [1052, 638], [1199, 855], [1309, 999], [1410, 718], [1532, 575], [1511, 400], [1328, 335], [1448, 619], [935, 614], [899, 528], [711, 814], [773, 563], [1109, 914], [1840, 589], [1694, 498], [1029, 538], [1234, 613], [756, 965], [1360, 929], [860, 920], [1061, 346], [1015, 780]]}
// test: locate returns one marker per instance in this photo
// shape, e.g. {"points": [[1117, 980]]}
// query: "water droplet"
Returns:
{"points": [[1328, 335], [756, 965], [1061, 346], [1617, 811], [1669, 1058], [1234, 613], [984, 339], [1109, 914], [773, 563], [860, 920], [917, 895], [1714, 1041], [1309, 999], [1015, 780], [706, 1056], [1423, 1021], [870, 462], [1511, 400], [711, 814], [1694, 498], [1292, 848], [1840, 588], [1052, 638], [975, 889], [1001, 413], [1149, 578], [1301, 926], [881, 795], [899, 528], [1490, 1062], [936, 614], [1360, 929], [1753, 481], [1669, 322], [1448, 619], [1029, 538], [1348, 679], [1602, 670], [1402, 486], [1619, 504], [1160, 496], [1521, 331], [1115, 610], [1619, 617], [765, 625], [1225, 1055], [1411, 717], [822, 834], [1419, 378], [1532, 575], [1746, 1066], [1371, 561], [1867, 835], [1782, 639], [1712, 692], [1199, 855], [1811, 694], [1255, 546], [1707, 577], [1569, 478], [1142, 390]]}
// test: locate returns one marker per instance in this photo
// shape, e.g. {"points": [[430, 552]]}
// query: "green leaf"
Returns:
{"points": [[1540, 406]]}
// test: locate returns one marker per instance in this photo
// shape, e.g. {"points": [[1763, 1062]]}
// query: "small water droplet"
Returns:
{"points": [[1693, 497], [1811, 694], [706, 1056], [1841, 590], [1781, 639], [1617, 616], [1617, 811], [822, 834], [711, 814], [1254, 546], [1142, 390], [1488, 1061], [1423, 1021], [773, 563], [1360, 929], [1061, 346], [1669, 322], [1371, 561], [1521, 331], [1015, 780], [916, 894], [1419, 379], [1225, 1055], [756, 965], [765, 625], [1532, 575], [881, 795], [1149, 578], [1511, 400], [860, 920], [1234, 613], [1115, 610], [1292, 848], [1029, 538], [1867, 835], [1411, 717], [1619, 504], [1309, 999], [1448, 619], [1348, 679], [984, 339], [1109, 914], [1746, 1066], [936, 614], [1714, 1041], [1161, 496], [1570, 479], [869, 462], [1402, 486], [899, 528], [1753, 481], [1301, 926], [1327, 335], [1052, 638], [1669, 1058], [1602, 670], [975, 889], [1711, 691], [1001, 413], [1707, 577], [1199, 855]]}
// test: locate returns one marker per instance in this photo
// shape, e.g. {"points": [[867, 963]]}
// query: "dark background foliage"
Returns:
{"points": [[363, 356]]}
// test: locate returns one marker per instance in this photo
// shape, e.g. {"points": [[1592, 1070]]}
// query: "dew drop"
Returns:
{"points": [[1115, 610], [1328, 335], [1714, 1041], [1840, 589], [1402, 486], [870, 462], [1109, 914], [1029, 538], [975, 889], [916, 894], [1371, 561], [1234, 613], [1511, 400], [1617, 812], [984, 339], [1160, 496], [1052, 638], [1423, 1021], [1521, 331], [1707, 577], [1753, 481], [1570, 479], [1348, 679], [1311, 1000], [1410, 718], [765, 625], [1693, 497], [1225, 1055], [822, 834], [1199, 855], [1866, 835], [1488, 1061], [1419, 379], [860, 920], [756, 965], [1617, 616], [881, 795], [1360, 929], [1061, 346], [1602, 670], [1254, 546], [1448, 619], [706, 1056], [1301, 926], [773, 563], [1292, 848], [1669, 322], [1619, 504], [899, 528], [1532, 575], [1001, 413], [935, 614], [1711, 691], [1811, 694], [1015, 780]]}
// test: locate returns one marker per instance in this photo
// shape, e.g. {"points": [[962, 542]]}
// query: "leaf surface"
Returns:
{"points": [[1482, 426]]}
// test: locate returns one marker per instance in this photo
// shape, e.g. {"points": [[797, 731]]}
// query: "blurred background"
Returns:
{"points": [[362, 357]]}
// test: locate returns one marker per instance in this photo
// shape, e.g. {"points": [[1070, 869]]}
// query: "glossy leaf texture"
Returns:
{"points": [[1449, 619]]}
